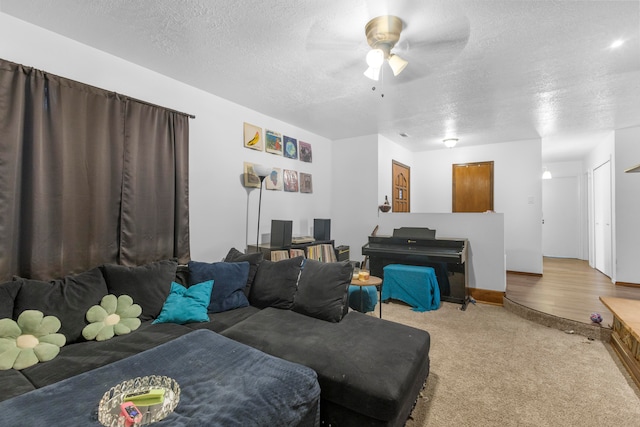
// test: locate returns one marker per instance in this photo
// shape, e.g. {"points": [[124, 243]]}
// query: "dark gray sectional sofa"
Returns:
{"points": [[370, 370]]}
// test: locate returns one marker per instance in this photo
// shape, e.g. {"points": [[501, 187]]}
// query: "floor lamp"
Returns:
{"points": [[262, 172]]}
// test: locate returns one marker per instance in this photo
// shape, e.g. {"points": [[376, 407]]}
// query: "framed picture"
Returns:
{"points": [[250, 177], [274, 180], [305, 151], [290, 179], [273, 142], [290, 147], [306, 184], [252, 137]]}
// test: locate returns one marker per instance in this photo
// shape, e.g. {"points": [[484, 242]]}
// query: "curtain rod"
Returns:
{"points": [[191, 116], [46, 73]]}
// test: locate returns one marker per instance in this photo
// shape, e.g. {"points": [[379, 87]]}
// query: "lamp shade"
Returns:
{"points": [[397, 64], [262, 171], [546, 174], [375, 58], [373, 73]]}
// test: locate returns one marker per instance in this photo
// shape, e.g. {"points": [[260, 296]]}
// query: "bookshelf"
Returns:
{"points": [[320, 250]]}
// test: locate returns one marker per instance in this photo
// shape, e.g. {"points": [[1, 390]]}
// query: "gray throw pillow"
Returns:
{"points": [[68, 299], [254, 259], [323, 290], [275, 283], [148, 284]]}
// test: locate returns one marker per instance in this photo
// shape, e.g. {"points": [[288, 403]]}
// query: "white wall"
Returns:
{"points": [[222, 212], [517, 192], [627, 206], [354, 211]]}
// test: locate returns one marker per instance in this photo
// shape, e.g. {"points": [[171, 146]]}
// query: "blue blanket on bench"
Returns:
{"points": [[222, 382], [415, 285]]}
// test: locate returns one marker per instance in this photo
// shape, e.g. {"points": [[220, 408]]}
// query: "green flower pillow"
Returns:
{"points": [[30, 340], [114, 316]]}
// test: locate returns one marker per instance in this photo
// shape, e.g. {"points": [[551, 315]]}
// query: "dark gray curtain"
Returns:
{"points": [[87, 176]]}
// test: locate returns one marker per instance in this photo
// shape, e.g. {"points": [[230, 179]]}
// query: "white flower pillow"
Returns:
{"points": [[114, 316]]}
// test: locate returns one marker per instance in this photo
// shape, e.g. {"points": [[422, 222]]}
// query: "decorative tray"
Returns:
{"points": [[109, 406]]}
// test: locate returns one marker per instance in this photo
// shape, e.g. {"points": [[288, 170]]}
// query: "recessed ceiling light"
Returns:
{"points": [[616, 44]]}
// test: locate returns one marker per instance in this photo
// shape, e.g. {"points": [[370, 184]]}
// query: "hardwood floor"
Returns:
{"points": [[568, 288]]}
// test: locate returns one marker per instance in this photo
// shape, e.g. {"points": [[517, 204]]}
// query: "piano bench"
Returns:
{"points": [[412, 284]]}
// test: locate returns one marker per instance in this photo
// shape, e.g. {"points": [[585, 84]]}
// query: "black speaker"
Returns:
{"points": [[322, 229], [281, 233], [342, 253]]}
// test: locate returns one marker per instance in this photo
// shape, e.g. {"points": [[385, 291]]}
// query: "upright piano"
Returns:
{"points": [[419, 246]]}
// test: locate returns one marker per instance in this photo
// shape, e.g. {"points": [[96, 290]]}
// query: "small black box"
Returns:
{"points": [[322, 229], [342, 253], [281, 233]]}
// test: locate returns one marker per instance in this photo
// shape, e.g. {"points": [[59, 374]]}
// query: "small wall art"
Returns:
{"points": [[273, 142], [253, 137], [290, 179], [305, 151], [274, 180], [290, 147], [250, 177], [306, 184]]}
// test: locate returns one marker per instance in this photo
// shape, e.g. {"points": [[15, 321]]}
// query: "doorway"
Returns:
{"points": [[561, 211], [401, 175], [602, 218]]}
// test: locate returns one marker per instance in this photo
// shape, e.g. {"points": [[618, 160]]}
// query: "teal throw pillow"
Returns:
{"points": [[186, 305]]}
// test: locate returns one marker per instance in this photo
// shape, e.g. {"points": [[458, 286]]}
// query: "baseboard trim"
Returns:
{"points": [[628, 285], [487, 296], [524, 273]]}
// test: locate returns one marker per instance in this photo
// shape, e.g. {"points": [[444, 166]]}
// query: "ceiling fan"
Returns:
{"points": [[383, 32], [436, 32]]}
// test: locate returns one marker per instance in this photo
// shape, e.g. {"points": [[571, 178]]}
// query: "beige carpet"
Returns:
{"points": [[490, 367]]}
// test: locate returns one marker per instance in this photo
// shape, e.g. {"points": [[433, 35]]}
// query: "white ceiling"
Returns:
{"points": [[483, 71]]}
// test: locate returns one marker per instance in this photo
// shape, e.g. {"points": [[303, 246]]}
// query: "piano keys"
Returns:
{"points": [[419, 246]]}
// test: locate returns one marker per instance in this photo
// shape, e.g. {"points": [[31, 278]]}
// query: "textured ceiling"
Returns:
{"points": [[482, 71]]}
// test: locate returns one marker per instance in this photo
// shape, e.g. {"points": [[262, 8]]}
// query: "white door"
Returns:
{"points": [[561, 217], [602, 217]]}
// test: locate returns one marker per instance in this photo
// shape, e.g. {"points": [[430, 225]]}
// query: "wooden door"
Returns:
{"points": [[401, 187], [473, 187]]}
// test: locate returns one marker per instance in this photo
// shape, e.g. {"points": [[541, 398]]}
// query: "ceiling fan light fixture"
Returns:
{"points": [[373, 73], [375, 58], [397, 64]]}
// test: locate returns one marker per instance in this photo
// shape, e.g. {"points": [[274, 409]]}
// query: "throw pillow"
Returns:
{"points": [[275, 283], [68, 299], [8, 293], [30, 340], [114, 316], [254, 259], [147, 284], [229, 278], [323, 289], [186, 305]]}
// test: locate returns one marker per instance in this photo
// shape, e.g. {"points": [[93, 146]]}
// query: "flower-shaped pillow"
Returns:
{"points": [[114, 316], [30, 340]]}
